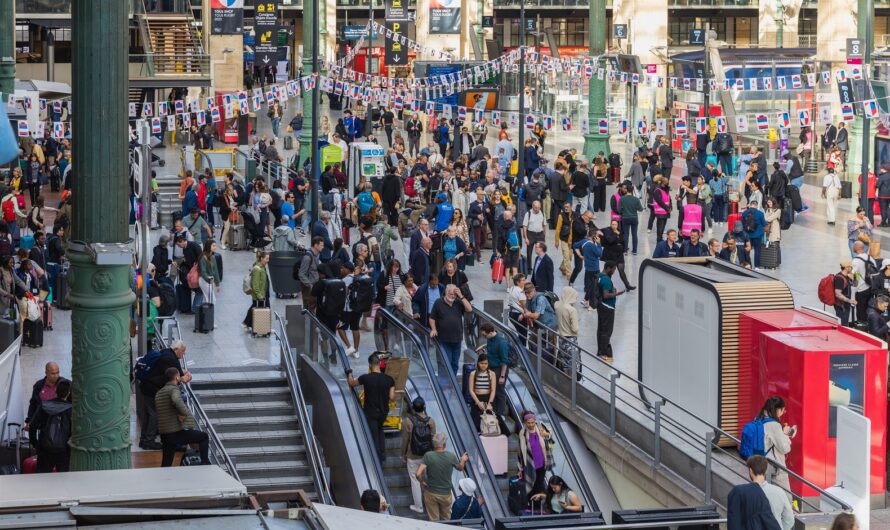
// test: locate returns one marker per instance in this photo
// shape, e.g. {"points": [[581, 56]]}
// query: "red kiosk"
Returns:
{"points": [[816, 367]]}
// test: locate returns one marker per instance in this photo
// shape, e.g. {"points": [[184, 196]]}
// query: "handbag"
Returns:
{"points": [[488, 423], [34, 314], [289, 129], [192, 277], [864, 238]]}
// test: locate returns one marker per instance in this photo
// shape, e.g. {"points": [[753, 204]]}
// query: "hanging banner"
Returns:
{"points": [[266, 28], [444, 16], [226, 17]]}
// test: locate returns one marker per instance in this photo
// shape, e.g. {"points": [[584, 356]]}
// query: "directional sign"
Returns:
{"points": [[396, 10], [266, 28], [619, 31], [396, 51], [697, 37]]}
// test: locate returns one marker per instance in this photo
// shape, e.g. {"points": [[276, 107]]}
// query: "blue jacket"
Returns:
{"points": [[419, 302], [543, 277], [664, 250], [592, 253], [759, 219], [353, 126], [444, 212], [460, 248], [190, 201], [466, 507], [532, 160]]}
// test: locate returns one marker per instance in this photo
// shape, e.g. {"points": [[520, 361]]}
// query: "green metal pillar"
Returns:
{"points": [[7, 49], [594, 142], [860, 133], [308, 111], [100, 293]]}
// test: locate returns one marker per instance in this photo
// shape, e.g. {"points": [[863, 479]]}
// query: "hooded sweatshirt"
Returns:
{"points": [[566, 313]]}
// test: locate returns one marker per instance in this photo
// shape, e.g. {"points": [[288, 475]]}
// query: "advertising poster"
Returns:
{"points": [[846, 386], [481, 98], [226, 17], [444, 16]]}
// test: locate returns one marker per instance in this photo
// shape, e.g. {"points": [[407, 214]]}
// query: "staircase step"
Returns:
{"points": [[244, 395], [254, 438], [266, 453], [252, 379], [287, 468], [398, 480], [257, 424], [247, 410], [279, 483]]}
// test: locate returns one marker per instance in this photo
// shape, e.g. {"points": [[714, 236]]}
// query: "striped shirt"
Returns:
{"points": [[482, 384]]}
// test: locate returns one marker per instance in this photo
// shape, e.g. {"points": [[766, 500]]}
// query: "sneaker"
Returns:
{"points": [[649, 231], [416, 509], [349, 351], [631, 288]]}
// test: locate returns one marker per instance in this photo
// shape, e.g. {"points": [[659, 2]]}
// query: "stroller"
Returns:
{"points": [[257, 239]]}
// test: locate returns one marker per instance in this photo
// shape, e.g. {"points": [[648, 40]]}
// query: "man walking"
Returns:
{"points": [[447, 323], [418, 430], [380, 389], [564, 238], [831, 191], [542, 270], [534, 229], [435, 474], [605, 315], [175, 422], [414, 128]]}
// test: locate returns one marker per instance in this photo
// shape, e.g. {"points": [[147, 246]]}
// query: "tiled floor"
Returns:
{"points": [[810, 249]]}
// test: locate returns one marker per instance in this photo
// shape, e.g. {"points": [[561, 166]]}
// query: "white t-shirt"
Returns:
{"points": [[831, 181], [515, 295], [534, 222]]}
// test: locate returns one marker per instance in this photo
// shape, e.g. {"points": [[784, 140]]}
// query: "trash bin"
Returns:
{"points": [[846, 189], [281, 272]]}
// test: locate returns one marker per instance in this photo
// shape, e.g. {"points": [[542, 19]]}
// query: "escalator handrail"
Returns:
{"points": [[296, 392], [449, 414], [216, 445], [383, 489], [522, 354]]}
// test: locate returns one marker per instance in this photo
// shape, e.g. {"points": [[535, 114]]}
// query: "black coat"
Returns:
{"points": [[391, 191], [749, 509], [420, 266], [382, 280], [34, 404], [156, 378], [613, 247]]}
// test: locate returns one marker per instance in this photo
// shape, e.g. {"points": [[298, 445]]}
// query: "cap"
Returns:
{"points": [[467, 485], [442, 196]]}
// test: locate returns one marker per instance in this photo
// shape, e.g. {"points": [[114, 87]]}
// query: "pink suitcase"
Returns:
{"points": [[496, 450]]}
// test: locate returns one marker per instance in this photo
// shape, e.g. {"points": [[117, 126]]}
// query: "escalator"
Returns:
{"points": [[325, 350], [524, 393]]}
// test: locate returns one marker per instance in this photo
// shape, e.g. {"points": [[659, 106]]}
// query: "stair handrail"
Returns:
{"points": [[296, 392], [145, 35], [217, 449], [660, 417], [366, 429], [458, 444], [545, 402]]}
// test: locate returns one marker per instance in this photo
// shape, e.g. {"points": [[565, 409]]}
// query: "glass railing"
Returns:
{"points": [[59, 7], [181, 64]]}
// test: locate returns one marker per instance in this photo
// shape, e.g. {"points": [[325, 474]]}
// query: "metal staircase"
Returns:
{"points": [[253, 413], [174, 55]]}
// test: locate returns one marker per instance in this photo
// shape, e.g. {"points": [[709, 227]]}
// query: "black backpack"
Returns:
{"points": [[870, 270], [168, 300], [360, 294], [333, 297], [750, 222], [421, 435], [56, 432]]}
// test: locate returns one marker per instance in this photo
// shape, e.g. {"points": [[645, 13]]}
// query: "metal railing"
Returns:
{"points": [[474, 450], [661, 415], [179, 64], [217, 451], [324, 336], [288, 363]]}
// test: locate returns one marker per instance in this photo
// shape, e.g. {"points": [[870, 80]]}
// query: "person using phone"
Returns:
{"points": [[558, 497], [776, 439]]}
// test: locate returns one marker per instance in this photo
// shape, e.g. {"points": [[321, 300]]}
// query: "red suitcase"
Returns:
{"points": [[47, 315], [734, 207], [733, 217], [616, 175], [29, 465], [345, 234], [497, 270]]}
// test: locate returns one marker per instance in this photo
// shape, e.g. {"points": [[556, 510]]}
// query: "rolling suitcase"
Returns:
{"points": [[770, 256], [219, 265], [262, 321], [9, 330], [237, 238], [497, 270], [288, 142], [733, 207], [204, 318], [517, 498], [29, 465], [32, 334], [60, 294], [787, 215], [465, 382], [47, 313], [796, 200], [496, 450], [183, 299], [12, 458], [731, 220]]}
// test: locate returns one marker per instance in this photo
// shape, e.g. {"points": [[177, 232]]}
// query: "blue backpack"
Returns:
{"points": [[365, 202], [512, 240], [752, 438], [143, 366]]}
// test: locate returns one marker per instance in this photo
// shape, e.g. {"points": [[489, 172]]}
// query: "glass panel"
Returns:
{"points": [[42, 6]]}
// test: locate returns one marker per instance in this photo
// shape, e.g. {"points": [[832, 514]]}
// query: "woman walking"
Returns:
{"points": [[209, 278]]}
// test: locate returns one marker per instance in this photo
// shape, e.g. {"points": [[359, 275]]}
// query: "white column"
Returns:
{"points": [[647, 25]]}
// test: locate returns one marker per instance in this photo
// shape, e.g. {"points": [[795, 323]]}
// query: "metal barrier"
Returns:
{"points": [[217, 452], [288, 363], [582, 488], [660, 412], [318, 335], [487, 488]]}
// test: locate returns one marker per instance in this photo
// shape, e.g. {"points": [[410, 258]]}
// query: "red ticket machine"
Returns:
{"points": [[227, 127], [817, 371], [751, 325]]}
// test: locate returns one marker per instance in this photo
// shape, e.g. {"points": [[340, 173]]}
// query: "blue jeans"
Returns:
{"points": [[276, 126], [725, 162], [197, 300], [797, 181], [452, 350], [718, 209], [756, 244]]}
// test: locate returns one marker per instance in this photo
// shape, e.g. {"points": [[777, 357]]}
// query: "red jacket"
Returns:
{"points": [[872, 186]]}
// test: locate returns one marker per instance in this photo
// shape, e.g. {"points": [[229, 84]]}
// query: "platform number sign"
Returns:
{"points": [[619, 31], [855, 48], [697, 37], [530, 24]]}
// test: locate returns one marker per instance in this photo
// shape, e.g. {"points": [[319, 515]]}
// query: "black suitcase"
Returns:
{"points": [[288, 142], [32, 334], [465, 380], [846, 189], [9, 330], [787, 218], [204, 318], [183, 299], [796, 200], [60, 295], [517, 499], [219, 265], [770, 256]]}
